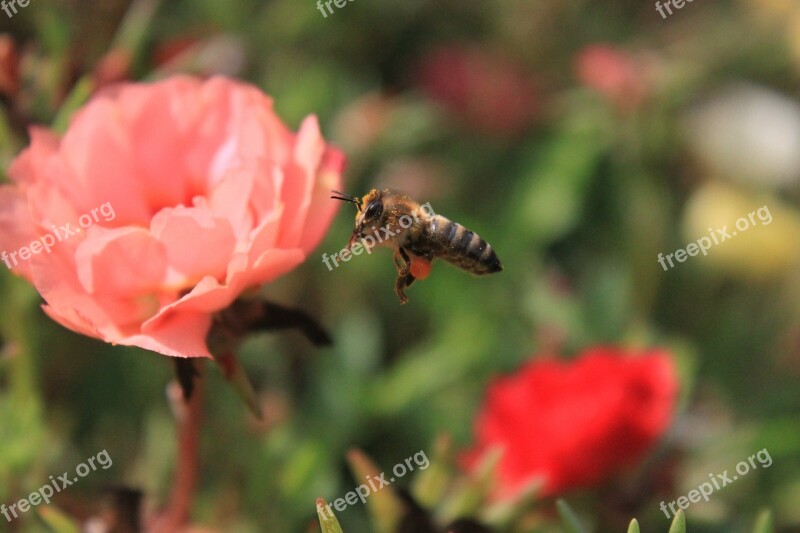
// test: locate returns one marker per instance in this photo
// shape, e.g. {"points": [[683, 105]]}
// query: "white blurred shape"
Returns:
{"points": [[749, 134]]}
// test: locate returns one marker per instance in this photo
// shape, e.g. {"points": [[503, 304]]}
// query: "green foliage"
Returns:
{"points": [[764, 523], [569, 519], [327, 520], [57, 521], [678, 523], [577, 205]]}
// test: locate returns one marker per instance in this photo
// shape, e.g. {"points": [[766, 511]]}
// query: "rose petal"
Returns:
{"points": [[196, 243], [111, 262]]}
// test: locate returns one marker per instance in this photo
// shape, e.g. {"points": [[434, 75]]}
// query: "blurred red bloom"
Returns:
{"points": [[613, 73], [575, 423], [487, 91], [9, 66]]}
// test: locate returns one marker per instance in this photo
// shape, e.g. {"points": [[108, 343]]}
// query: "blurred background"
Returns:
{"points": [[581, 138]]}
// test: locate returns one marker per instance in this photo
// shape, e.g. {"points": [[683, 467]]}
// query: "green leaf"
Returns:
{"points": [[129, 41], [22, 432], [384, 506], [77, 97], [504, 514], [569, 518], [678, 523], [633, 527], [327, 520], [430, 485], [764, 522], [57, 521], [430, 369], [555, 175], [9, 144], [234, 372], [468, 499]]}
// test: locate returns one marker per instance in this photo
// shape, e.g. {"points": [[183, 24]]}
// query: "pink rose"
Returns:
{"points": [[179, 195]]}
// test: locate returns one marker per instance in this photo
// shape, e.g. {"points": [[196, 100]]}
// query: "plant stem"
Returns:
{"points": [[189, 420]]}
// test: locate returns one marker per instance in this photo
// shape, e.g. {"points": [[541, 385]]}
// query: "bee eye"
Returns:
{"points": [[374, 210]]}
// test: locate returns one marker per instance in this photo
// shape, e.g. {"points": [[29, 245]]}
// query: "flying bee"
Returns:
{"points": [[418, 235]]}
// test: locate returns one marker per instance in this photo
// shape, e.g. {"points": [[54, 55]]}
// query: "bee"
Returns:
{"points": [[418, 235]]}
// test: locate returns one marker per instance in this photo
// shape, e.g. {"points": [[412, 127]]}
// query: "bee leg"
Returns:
{"points": [[399, 285], [404, 276], [401, 260]]}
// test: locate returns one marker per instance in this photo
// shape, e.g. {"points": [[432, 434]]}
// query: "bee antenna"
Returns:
{"points": [[347, 198]]}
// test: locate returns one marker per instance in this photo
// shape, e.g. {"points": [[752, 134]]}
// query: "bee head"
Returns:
{"points": [[370, 209]]}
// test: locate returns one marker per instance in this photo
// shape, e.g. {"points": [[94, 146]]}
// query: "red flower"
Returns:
{"points": [[575, 423], [487, 91]]}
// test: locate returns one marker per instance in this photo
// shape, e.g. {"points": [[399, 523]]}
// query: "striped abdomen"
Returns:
{"points": [[464, 248]]}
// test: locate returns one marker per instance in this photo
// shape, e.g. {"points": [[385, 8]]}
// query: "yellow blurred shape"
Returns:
{"points": [[756, 250]]}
